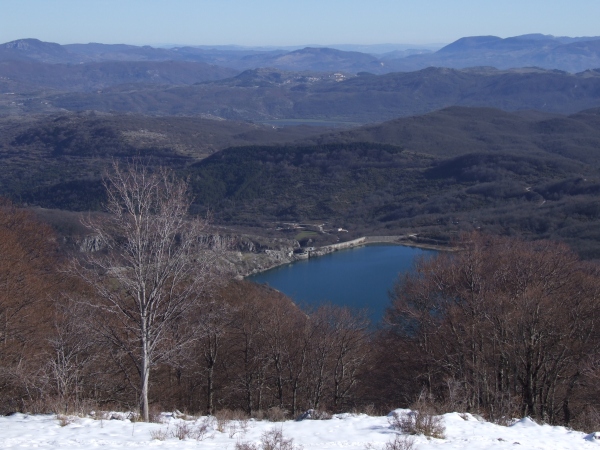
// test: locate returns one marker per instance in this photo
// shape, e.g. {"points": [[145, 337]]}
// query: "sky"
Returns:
{"points": [[290, 22]]}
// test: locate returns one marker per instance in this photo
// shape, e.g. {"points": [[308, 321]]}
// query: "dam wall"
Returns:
{"points": [[341, 245]]}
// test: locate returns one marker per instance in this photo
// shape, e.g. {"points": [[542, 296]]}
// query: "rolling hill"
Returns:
{"points": [[449, 171], [269, 94], [58, 160], [436, 175]]}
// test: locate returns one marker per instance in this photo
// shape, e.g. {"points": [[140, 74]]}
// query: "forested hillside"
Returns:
{"points": [[267, 94], [450, 171], [453, 170], [238, 350], [57, 161]]}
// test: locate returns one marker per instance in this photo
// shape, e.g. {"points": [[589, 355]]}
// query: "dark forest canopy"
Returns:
{"points": [[452, 170]]}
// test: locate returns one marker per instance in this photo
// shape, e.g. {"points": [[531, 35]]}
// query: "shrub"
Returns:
{"points": [[587, 420], [270, 440], [222, 418], [276, 414], [64, 420], [419, 422], [182, 431], [274, 440], [234, 422], [201, 430], [400, 443], [159, 435]]}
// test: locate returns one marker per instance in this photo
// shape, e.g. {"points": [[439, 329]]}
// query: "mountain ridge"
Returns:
{"points": [[545, 51], [271, 95]]}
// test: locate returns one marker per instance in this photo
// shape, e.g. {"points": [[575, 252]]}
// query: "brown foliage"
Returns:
{"points": [[503, 327], [260, 353], [506, 325], [28, 279]]}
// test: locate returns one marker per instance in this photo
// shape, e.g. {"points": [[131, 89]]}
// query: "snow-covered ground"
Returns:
{"points": [[343, 431]]}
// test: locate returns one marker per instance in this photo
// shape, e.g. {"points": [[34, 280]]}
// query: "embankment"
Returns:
{"points": [[269, 259]]}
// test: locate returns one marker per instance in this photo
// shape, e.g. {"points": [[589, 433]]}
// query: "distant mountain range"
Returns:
{"points": [[268, 95], [309, 84], [23, 76], [531, 50]]}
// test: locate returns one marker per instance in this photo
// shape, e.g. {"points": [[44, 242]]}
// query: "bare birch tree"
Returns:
{"points": [[156, 264]]}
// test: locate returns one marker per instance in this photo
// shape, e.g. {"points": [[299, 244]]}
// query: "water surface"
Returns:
{"points": [[360, 277]]}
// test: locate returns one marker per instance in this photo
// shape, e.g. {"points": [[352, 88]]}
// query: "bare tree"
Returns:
{"points": [[338, 352], [29, 280], [251, 350], [156, 264], [351, 350], [510, 323], [70, 357], [297, 357], [214, 323]]}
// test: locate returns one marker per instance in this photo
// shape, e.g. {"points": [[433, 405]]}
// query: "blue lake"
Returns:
{"points": [[360, 277]]}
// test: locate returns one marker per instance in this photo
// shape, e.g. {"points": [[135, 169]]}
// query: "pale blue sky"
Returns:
{"points": [[290, 22]]}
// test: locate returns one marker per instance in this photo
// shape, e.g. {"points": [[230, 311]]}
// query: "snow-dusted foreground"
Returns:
{"points": [[343, 431]]}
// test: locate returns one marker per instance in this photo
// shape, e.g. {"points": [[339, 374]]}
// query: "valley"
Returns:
{"points": [[435, 175], [257, 233], [306, 148]]}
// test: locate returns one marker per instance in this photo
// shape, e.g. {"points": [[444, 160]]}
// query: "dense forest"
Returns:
{"points": [[503, 328], [146, 322], [436, 175]]}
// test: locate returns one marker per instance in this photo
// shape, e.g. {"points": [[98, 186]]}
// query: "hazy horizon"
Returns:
{"points": [[270, 23], [399, 45]]}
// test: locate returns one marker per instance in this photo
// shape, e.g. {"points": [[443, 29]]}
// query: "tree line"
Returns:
{"points": [[151, 320], [504, 326], [151, 317]]}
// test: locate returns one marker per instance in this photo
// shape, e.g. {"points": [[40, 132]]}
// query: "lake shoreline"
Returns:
{"points": [[360, 279], [403, 240]]}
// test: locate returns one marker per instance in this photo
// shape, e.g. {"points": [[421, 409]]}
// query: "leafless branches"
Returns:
{"points": [[156, 264], [507, 324]]}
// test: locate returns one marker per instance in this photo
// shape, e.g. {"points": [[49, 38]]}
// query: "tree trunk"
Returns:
{"points": [[145, 375], [210, 394]]}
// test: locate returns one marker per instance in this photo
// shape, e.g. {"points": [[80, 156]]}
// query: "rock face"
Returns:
{"points": [[88, 243], [252, 254], [248, 254]]}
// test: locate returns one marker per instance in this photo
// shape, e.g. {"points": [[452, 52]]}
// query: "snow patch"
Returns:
{"points": [[593, 437], [525, 422], [343, 432]]}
